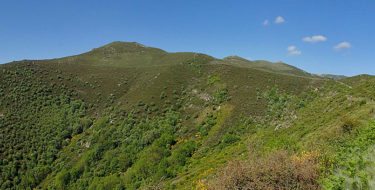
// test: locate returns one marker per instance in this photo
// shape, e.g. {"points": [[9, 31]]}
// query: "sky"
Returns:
{"points": [[319, 36]]}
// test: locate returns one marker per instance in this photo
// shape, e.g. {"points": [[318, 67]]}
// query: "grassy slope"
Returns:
{"points": [[123, 78], [318, 126]]}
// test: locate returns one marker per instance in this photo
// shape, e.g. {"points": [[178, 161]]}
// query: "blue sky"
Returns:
{"points": [[305, 35]]}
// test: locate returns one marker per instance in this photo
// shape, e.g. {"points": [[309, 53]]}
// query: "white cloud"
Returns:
{"points": [[314, 39], [266, 22], [279, 20], [293, 50], [342, 45]]}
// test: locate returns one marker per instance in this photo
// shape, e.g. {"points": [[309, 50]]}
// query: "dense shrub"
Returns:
{"points": [[278, 170], [230, 138], [41, 116], [221, 96], [348, 124]]}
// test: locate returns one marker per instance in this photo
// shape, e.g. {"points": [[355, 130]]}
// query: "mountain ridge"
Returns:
{"points": [[121, 47], [121, 52]]}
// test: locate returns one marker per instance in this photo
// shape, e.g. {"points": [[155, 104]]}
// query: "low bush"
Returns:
{"points": [[348, 124], [278, 170]]}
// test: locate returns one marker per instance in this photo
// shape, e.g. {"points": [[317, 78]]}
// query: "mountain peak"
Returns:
{"points": [[119, 47], [122, 43]]}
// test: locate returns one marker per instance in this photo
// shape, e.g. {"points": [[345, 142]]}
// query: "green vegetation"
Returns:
{"points": [[353, 167], [125, 116], [37, 124]]}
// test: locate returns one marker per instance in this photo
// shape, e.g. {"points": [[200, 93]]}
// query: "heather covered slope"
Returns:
{"points": [[278, 67], [129, 116]]}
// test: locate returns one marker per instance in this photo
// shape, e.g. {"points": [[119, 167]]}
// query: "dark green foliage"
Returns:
{"points": [[179, 157], [221, 96], [229, 139], [205, 127], [36, 126], [62, 179], [142, 149]]}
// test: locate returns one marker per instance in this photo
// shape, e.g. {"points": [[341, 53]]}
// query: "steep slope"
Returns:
{"points": [[129, 116]]}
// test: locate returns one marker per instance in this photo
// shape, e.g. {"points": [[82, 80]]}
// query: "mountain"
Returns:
{"points": [[128, 116], [335, 77], [278, 67]]}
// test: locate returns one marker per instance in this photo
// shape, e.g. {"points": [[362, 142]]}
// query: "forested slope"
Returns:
{"points": [[127, 116]]}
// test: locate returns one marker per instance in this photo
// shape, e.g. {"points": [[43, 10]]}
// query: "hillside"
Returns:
{"points": [[278, 67], [127, 116]]}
